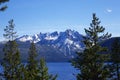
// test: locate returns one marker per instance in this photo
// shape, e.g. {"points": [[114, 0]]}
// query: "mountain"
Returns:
{"points": [[67, 42], [54, 45], [108, 43]]}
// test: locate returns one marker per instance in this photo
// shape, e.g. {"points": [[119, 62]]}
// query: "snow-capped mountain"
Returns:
{"points": [[68, 42], [55, 46]]}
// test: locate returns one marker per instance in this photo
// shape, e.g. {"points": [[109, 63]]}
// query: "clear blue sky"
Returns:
{"points": [[34, 16]]}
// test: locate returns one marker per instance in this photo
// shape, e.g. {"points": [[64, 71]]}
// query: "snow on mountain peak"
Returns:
{"points": [[25, 38], [67, 42], [51, 38]]}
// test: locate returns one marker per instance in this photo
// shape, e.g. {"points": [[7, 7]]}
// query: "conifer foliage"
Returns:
{"points": [[2, 8], [90, 62], [13, 68], [115, 58], [36, 70], [43, 71], [10, 34], [32, 70], [11, 60]]}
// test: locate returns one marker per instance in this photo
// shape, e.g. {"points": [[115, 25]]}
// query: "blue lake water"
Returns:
{"points": [[64, 70]]}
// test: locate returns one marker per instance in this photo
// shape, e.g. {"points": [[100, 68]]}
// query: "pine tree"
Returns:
{"points": [[2, 8], [90, 62], [11, 60], [43, 72], [115, 58], [35, 71], [10, 34], [32, 70]]}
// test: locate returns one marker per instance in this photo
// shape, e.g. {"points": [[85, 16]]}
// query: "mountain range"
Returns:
{"points": [[54, 46]]}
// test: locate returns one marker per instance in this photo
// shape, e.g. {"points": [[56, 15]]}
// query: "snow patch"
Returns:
{"points": [[51, 38], [36, 36], [26, 38], [68, 41]]}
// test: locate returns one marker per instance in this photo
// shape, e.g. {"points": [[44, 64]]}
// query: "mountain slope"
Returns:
{"points": [[55, 46], [67, 42]]}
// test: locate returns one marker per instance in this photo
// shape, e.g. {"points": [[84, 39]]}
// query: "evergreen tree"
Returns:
{"points": [[10, 34], [35, 71], [2, 8], [115, 58], [90, 62], [32, 70], [11, 60], [43, 72]]}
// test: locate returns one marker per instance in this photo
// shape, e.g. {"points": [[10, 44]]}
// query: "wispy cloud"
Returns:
{"points": [[109, 10]]}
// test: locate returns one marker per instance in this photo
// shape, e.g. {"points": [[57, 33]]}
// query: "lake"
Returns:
{"points": [[64, 70]]}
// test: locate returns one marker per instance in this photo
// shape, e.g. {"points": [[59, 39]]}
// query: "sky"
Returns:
{"points": [[35, 16]]}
